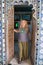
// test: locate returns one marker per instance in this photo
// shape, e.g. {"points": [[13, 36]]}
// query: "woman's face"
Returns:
{"points": [[23, 23]]}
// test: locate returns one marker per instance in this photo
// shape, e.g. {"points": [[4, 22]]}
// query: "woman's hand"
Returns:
{"points": [[16, 31]]}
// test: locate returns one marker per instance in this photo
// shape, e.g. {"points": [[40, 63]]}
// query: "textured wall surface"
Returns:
{"points": [[34, 30], [10, 42]]}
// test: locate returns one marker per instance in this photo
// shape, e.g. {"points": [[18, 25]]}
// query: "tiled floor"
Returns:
{"points": [[26, 62]]}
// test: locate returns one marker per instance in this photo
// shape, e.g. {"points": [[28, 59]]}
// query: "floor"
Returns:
{"points": [[26, 62]]}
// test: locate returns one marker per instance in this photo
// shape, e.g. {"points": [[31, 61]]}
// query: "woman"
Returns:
{"points": [[23, 40]]}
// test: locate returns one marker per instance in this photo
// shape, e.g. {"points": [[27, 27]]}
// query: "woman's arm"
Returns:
{"points": [[16, 31]]}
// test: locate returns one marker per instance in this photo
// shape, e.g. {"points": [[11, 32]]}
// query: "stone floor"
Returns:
{"points": [[26, 62]]}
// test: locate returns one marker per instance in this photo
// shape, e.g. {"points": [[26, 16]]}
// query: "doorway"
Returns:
{"points": [[12, 46], [22, 12]]}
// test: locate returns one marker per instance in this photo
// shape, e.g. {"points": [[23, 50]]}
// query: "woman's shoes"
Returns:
{"points": [[19, 62], [9, 64], [22, 59]]}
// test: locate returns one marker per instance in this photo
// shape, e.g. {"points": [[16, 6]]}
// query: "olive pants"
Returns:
{"points": [[23, 50]]}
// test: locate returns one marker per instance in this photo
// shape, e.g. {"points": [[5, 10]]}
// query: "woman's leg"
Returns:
{"points": [[20, 51], [27, 50], [24, 50]]}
